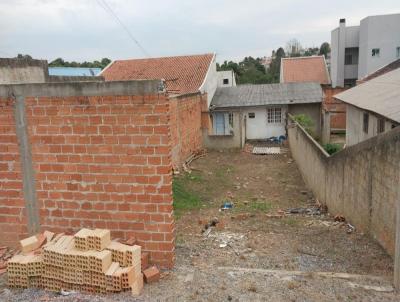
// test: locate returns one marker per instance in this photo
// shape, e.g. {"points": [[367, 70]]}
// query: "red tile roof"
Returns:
{"points": [[381, 71], [304, 69], [182, 74]]}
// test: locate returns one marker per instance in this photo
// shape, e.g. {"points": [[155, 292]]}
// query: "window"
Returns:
{"points": [[252, 115], [222, 123], [274, 115], [365, 122], [348, 60], [375, 52], [381, 125], [350, 83], [398, 52], [226, 81]]}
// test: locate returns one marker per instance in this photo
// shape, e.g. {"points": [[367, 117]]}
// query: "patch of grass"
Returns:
{"points": [[184, 199]]}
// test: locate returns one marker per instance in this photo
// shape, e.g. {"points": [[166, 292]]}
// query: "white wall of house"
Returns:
{"points": [[355, 125], [258, 127], [226, 78], [210, 83], [381, 32]]}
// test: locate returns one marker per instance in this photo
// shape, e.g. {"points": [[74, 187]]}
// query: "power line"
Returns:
{"points": [[108, 9]]}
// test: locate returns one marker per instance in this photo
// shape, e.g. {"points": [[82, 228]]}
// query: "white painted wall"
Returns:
{"points": [[210, 83], [258, 128], [226, 74], [354, 125], [381, 32]]}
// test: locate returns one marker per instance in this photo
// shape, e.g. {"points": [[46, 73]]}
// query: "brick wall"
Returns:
{"points": [[13, 223], [99, 162], [361, 182], [186, 132], [336, 108]]}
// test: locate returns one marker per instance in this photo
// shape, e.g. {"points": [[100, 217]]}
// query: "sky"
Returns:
{"points": [[82, 30]]}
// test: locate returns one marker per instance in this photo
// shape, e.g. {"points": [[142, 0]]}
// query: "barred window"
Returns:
{"points": [[381, 125], [274, 115], [365, 122]]}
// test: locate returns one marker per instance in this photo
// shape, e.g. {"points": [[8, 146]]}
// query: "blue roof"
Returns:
{"points": [[74, 71]]}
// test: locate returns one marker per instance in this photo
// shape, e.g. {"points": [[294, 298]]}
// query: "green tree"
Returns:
{"points": [[325, 49], [59, 62]]}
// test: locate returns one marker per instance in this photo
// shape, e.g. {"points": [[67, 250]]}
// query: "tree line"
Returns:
{"points": [[251, 70]]}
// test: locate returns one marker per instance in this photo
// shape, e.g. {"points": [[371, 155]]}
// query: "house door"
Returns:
{"points": [[275, 121]]}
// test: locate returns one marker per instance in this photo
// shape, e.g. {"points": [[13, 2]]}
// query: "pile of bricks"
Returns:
{"points": [[87, 261]]}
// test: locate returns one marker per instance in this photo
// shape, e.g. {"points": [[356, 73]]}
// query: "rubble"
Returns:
{"points": [[87, 261], [152, 274]]}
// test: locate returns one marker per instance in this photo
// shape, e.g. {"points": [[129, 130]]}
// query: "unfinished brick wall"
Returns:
{"points": [[99, 162], [186, 131], [13, 223], [336, 108]]}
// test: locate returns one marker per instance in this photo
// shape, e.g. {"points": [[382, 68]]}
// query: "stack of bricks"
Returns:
{"points": [[88, 261]]}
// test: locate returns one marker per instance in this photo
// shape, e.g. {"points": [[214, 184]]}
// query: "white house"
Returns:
{"points": [[373, 107], [259, 112]]}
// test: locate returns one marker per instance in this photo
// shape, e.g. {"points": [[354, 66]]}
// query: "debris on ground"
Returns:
{"points": [[152, 274], [339, 218], [87, 261], [186, 165], [226, 206]]}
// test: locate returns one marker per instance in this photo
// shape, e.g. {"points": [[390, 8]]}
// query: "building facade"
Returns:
{"points": [[373, 108], [357, 51]]}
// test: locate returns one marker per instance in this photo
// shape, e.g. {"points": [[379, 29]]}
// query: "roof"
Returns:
{"points": [[380, 95], [385, 69], [267, 94], [304, 69], [74, 71], [182, 74]]}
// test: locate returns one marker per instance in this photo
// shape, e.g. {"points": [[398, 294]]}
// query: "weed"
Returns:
{"points": [[184, 199]]}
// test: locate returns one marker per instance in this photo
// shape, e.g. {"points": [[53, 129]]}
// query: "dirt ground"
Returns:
{"points": [[251, 255]]}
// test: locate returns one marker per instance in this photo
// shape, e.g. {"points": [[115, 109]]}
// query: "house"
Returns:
{"points": [[182, 74], [226, 78], [258, 112], [74, 71], [28, 70], [373, 107], [304, 69], [22, 70], [314, 69], [357, 51]]}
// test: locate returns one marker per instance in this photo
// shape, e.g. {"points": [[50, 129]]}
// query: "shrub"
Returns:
{"points": [[332, 148], [305, 121]]}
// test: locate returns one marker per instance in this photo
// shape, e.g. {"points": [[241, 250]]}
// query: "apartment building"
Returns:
{"points": [[357, 51]]}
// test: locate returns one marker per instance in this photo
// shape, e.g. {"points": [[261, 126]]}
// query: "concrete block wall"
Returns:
{"points": [[100, 157], [361, 182], [186, 133]]}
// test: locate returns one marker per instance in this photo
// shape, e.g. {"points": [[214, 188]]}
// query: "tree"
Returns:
{"points": [[59, 62], [325, 49], [293, 48], [21, 56], [275, 67]]}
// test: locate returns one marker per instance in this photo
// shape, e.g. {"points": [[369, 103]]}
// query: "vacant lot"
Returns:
{"points": [[252, 254]]}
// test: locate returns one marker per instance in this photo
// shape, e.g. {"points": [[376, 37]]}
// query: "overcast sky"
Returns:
{"points": [[82, 30]]}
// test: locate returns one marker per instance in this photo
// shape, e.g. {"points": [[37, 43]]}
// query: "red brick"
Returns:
{"points": [[152, 274]]}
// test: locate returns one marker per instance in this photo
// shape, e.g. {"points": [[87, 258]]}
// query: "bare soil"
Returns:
{"points": [[251, 255]]}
